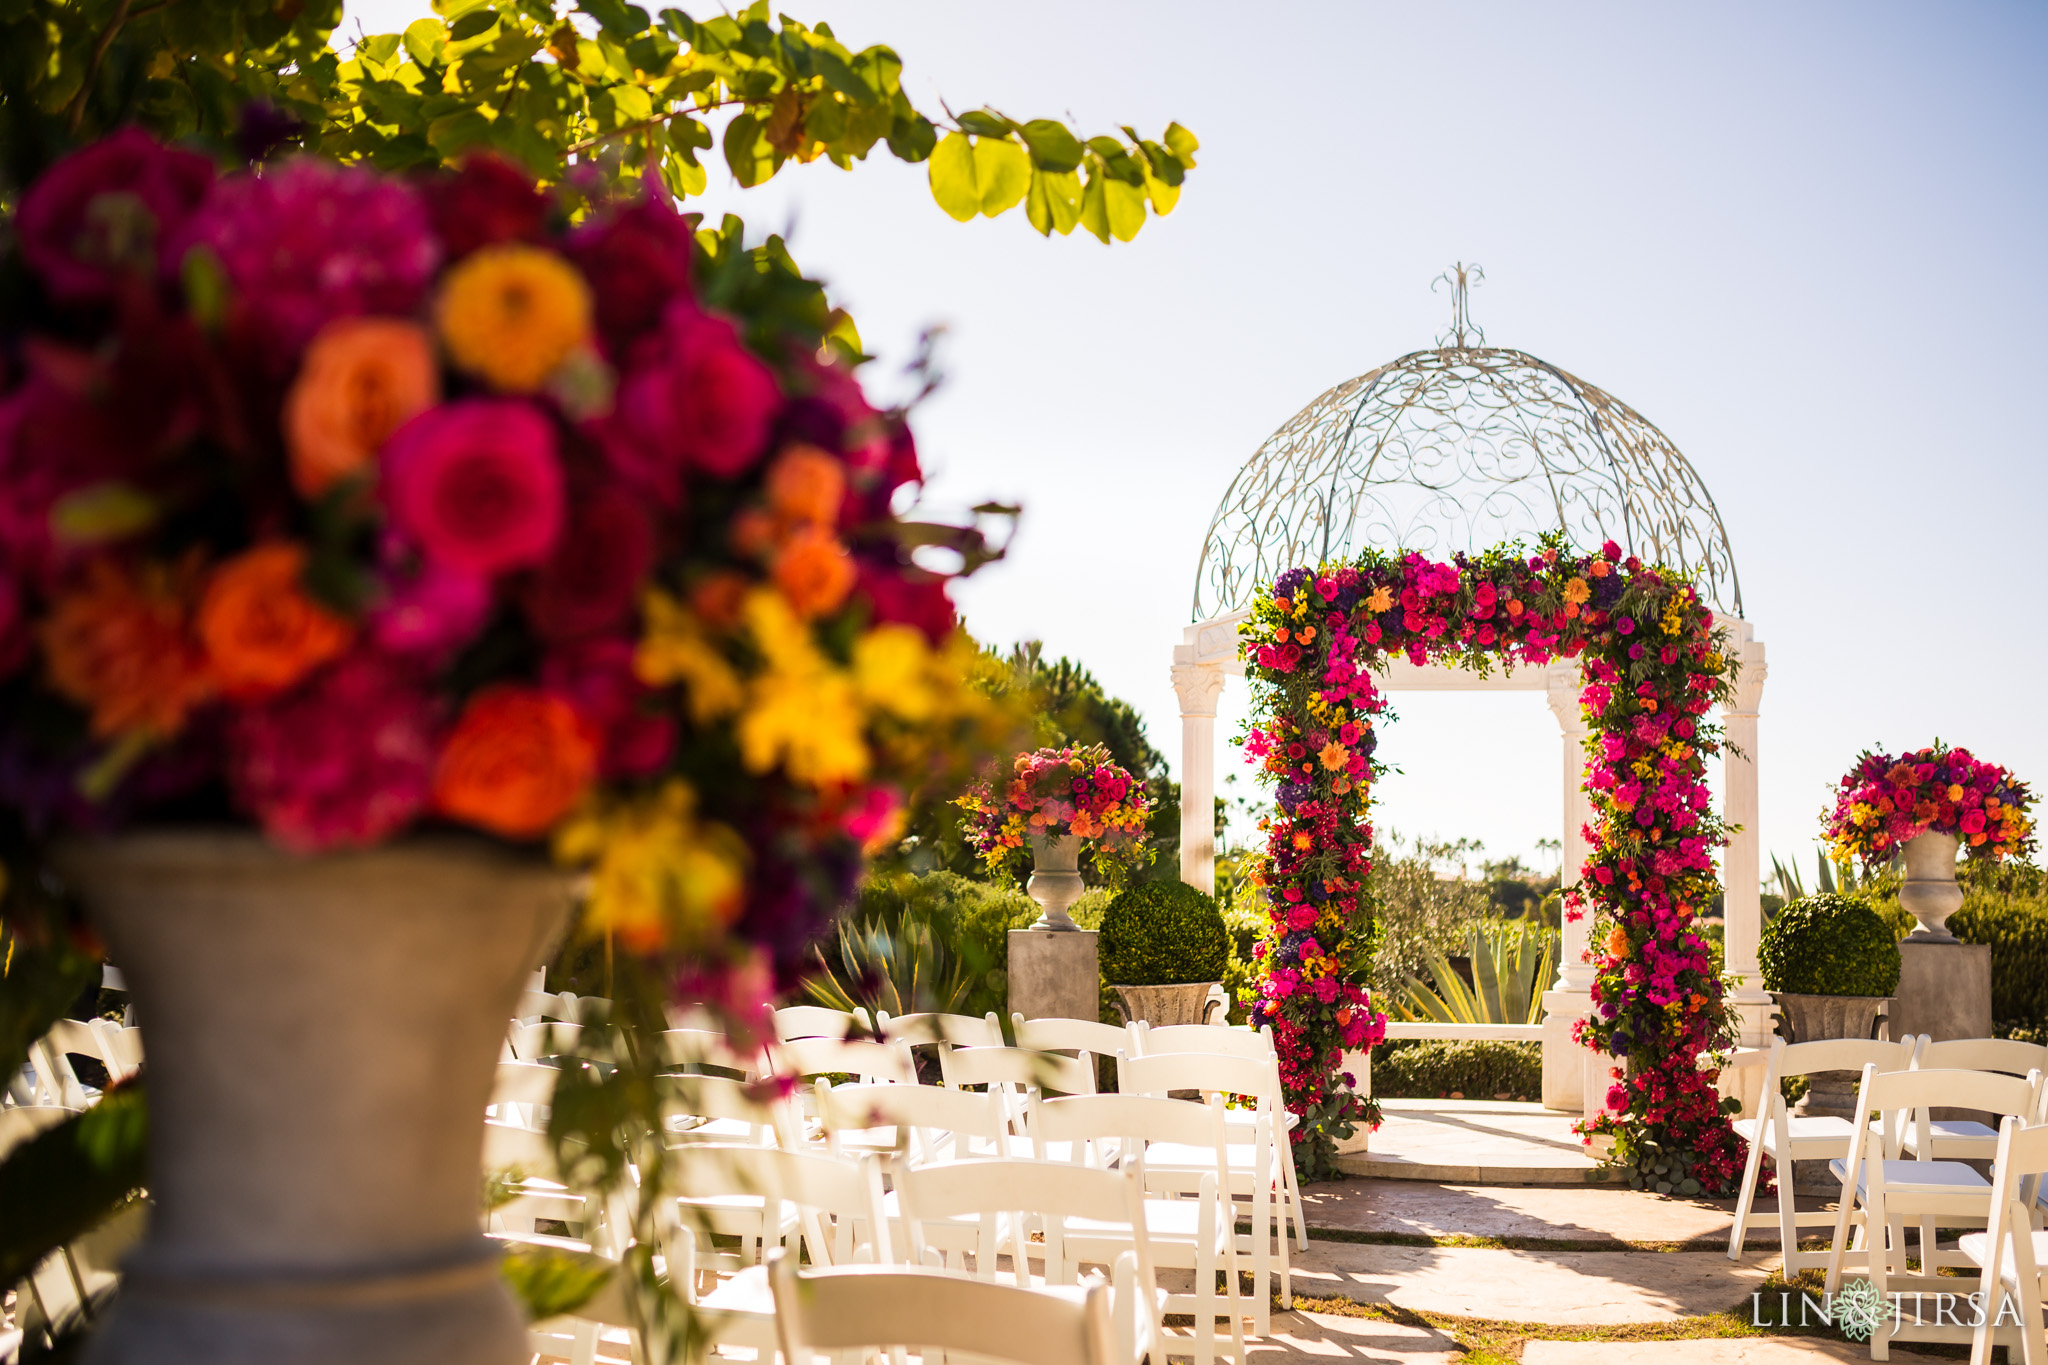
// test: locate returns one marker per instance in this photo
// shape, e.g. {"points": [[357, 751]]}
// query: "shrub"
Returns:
{"points": [[936, 942], [1431, 1069], [2017, 929], [1163, 934], [1829, 945]]}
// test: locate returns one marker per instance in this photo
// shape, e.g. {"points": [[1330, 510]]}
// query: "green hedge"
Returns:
{"points": [[1430, 1069], [2017, 930], [1829, 945], [1163, 934]]}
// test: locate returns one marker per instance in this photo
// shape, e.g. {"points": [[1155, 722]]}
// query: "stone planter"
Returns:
{"points": [[1055, 881], [1809, 1018], [322, 1036], [1195, 1002], [1929, 892]]}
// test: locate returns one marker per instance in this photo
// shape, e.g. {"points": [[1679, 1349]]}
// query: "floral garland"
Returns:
{"points": [[1883, 801], [342, 503], [1652, 664], [1055, 793]]}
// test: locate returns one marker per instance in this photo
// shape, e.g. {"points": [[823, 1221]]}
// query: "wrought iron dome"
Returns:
{"points": [[1461, 448]]}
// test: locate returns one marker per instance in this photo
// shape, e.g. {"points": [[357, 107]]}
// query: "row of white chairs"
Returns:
{"points": [[1897, 1164], [767, 1174]]}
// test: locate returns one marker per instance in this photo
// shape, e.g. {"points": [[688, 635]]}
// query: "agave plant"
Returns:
{"points": [[1512, 965], [901, 967]]}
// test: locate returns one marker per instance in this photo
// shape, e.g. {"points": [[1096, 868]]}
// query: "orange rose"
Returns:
{"points": [[119, 644], [261, 631], [362, 379], [814, 572], [806, 485], [518, 760], [719, 597]]}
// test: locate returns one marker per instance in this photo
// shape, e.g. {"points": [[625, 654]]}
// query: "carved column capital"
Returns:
{"points": [[1749, 680], [1561, 690], [1198, 686]]}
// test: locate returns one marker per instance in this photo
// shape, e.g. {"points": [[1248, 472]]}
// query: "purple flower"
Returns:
{"points": [[105, 212], [310, 241]]}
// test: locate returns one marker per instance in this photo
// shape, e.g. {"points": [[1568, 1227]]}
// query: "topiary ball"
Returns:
{"points": [[1829, 945], [1163, 934]]}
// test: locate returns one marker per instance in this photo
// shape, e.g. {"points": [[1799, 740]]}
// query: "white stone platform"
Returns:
{"points": [[1477, 1142]]}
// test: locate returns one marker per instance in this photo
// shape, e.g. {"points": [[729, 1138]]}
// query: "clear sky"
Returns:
{"points": [[1804, 240]]}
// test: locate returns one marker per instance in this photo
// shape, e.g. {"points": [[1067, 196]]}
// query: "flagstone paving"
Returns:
{"points": [[1598, 1213], [1557, 1287], [1478, 1141], [1719, 1351]]}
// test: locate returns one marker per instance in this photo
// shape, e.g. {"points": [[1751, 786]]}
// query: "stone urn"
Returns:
{"points": [[1055, 880], [322, 1035], [1929, 892], [1810, 1018], [1193, 1002]]}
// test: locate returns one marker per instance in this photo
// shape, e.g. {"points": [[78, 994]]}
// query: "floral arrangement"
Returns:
{"points": [[1652, 666], [1057, 793], [1883, 801], [345, 503]]}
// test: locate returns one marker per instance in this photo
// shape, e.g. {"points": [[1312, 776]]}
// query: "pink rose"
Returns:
{"points": [[105, 212], [345, 761], [429, 609], [476, 484], [694, 400], [595, 676]]}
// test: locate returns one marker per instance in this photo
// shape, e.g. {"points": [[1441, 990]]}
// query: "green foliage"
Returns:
{"points": [[1163, 934], [909, 944], [2016, 927], [1512, 965], [1829, 945], [1420, 909], [550, 1281], [634, 94], [1433, 1069], [66, 1180]]}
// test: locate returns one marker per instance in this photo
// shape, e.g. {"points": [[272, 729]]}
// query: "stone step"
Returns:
{"points": [[1477, 1142]]}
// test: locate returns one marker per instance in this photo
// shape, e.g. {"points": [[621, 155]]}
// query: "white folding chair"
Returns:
{"points": [[837, 1203], [806, 1057], [721, 1109], [1777, 1133], [20, 1122], [695, 1049], [1967, 1139], [1880, 1191], [2014, 1245], [1026, 1209], [863, 1308], [917, 1124], [816, 1021], [1255, 1045], [1196, 1234], [1020, 1068], [1257, 1183], [940, 1032], [545, 1038], [1071, 1035]]}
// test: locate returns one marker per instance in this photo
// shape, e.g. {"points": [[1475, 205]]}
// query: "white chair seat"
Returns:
{"points": [[744, 1292], [1976, 1246], [1912, 1176], [1808, 1131], [1178, 1220]]}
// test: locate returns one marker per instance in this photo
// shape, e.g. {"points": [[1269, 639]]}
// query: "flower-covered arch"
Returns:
{"points": [[1652, 666]]}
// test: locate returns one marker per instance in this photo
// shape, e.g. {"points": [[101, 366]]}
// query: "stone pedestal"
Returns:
{"points": [[1054, 975], [1944, 990], [1564, 1061]]}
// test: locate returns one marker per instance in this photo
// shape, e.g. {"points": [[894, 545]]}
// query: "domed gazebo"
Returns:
{"points": [[1464, 447]]}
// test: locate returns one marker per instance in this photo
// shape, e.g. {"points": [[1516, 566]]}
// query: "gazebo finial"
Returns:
{"points": [[1458, 277]]}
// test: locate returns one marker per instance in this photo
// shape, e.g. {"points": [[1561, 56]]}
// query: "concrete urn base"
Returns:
{"points": [[322, 1034], [1195, 1002], [1809, 1018]]}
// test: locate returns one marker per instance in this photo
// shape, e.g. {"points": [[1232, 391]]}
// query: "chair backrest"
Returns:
{"points": [[817, 1021], [869, 1307], [535, 1006], [931, 1122], [1078, 1035], [1016, 1067], [2015, 1186], [848, 1192], [689, 1100], [1210, 1073], [524, 1083], [19, 1123], [1842, 1054], [1256, 1044], [947, 1030], [1009, 1192], [531, 1042], [1896, 1095], [1090, 1123], [692, 1047], [837, 1057], [2008, 1055]]}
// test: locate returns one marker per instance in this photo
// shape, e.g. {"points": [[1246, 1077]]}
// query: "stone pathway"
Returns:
{"points": [[1720, 1351], [1567, 1213]]}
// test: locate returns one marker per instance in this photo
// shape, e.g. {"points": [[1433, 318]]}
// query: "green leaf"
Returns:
{"points": [[912, 136], [1182, 144], [953, 179], [1162, 195], [66, 1180], [1095, 208], [425, 41], [1002, 171], [1053, 148], [747, 151], [1126, 205], [986, 123], [551, 1281], [1054, 203], [471, 24], [453, 134], [843, 78]]}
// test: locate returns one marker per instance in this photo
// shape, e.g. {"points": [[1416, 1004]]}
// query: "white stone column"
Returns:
{"points": [[1741, 864], [1198, 686], [1570, 998]]}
